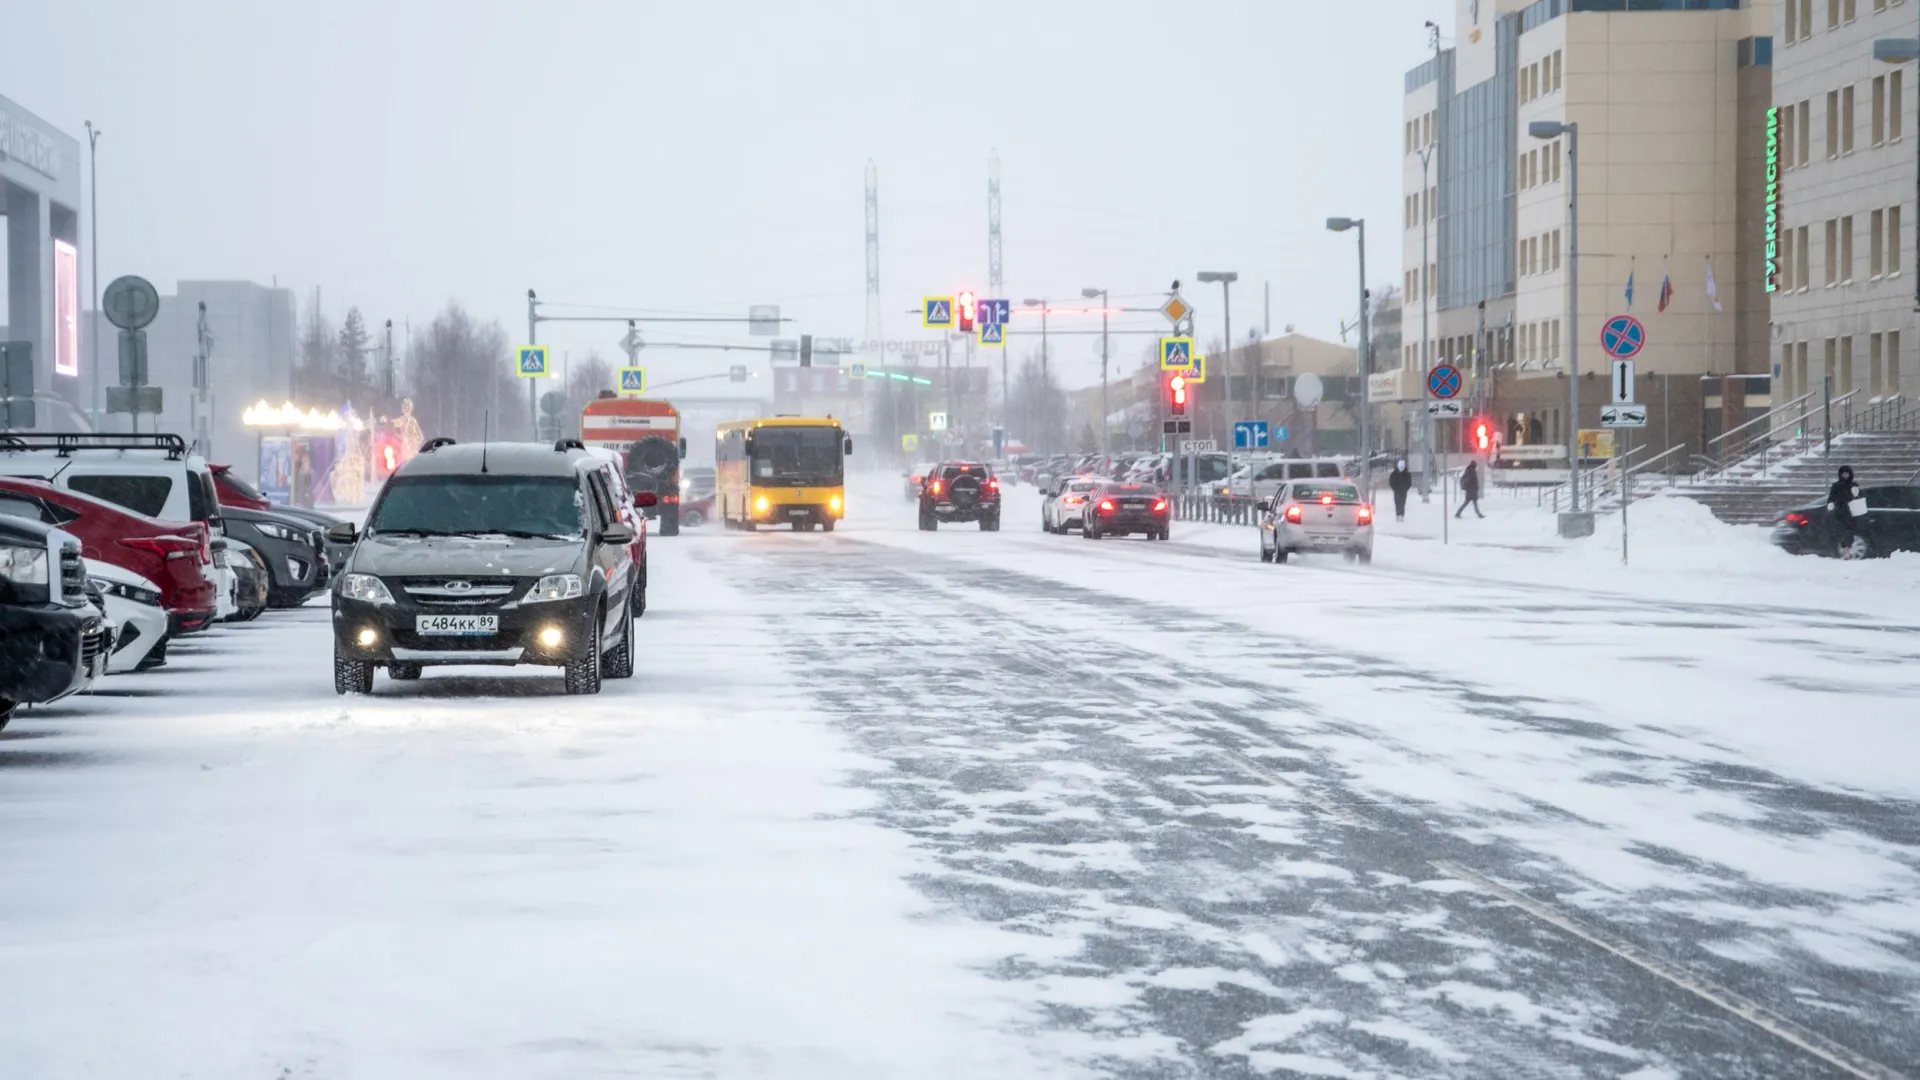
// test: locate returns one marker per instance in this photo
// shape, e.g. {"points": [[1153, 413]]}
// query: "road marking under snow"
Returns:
{"points": [[1745, 1008]]}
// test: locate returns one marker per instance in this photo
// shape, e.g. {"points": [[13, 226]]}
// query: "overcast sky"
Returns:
{"points": [[699, 157]]}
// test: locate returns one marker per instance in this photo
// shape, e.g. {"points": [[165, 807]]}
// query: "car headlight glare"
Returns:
{"points": [[555, 587], [365, 588]]}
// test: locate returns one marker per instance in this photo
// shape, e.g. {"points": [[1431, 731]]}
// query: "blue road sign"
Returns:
{"points": [[936, 312], [995, 312], [1623, 337], [1280, 433], [531, 361], [1176, 353], [856, 371], [993, 333], [633, 380], [1443, 381], [1251, 434]]}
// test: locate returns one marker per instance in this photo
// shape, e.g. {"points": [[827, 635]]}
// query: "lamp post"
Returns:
{"points": [[1104, 414], [1553, 129], [1226, 278], [1043, 305], [1902, 51], [93, 230], [1364, 358]]}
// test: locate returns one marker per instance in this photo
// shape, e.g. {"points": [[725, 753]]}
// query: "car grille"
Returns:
{"points": [[407, 639], [464, 594], [73, 576], [91, 643]]}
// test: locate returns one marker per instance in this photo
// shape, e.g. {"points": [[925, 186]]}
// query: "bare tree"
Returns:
{"points": [[458, 372], [1037, 406], [318, 341]]}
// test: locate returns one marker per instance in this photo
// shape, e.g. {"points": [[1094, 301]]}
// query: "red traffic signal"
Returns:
{"points": [[964, 306], [1482, 434], [1177, 393]]}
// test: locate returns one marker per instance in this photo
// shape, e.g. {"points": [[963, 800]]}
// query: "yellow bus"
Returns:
{"points": [[781, 470]]}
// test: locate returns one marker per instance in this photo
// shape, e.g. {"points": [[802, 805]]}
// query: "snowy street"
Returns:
{"points": [[886, 803]]}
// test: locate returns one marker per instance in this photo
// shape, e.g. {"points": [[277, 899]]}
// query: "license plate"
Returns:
{"points": [[1328, 540], [801, 512], [456, 624]]}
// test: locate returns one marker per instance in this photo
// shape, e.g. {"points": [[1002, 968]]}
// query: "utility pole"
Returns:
{"points": [[1106, 446], [93, 230], [1364, 360], [1423, 274], [389, 364], [1553, 129], [533, 397]]}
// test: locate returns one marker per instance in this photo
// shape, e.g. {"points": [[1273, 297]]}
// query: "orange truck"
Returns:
{"points": [[646, 435]]}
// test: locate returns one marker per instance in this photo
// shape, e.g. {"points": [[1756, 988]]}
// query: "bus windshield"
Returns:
{"points": [[797, 456]]}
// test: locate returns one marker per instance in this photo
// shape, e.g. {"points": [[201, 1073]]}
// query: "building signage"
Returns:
{"points": [[1773, 200], [28, 145], [66, 309]]}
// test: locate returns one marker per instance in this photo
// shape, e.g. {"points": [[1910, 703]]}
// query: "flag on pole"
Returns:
{"points": [[1713, 290], [1629, 286], [1666, 290]]}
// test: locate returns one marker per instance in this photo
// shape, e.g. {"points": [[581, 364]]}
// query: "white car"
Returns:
{"points": [[226, 583], [1067, 509], [137, 612], [1316, 515]]}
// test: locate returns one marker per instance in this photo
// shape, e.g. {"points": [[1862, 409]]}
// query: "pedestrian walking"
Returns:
{"points": [[1401, 481], [1470, 490], [1844, 503]]}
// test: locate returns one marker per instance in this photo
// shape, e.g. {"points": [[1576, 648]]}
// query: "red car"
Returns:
{"points": [[233, 492], [171, 554]]}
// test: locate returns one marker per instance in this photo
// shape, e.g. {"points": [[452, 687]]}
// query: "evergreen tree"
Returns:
{"points": [[353, 348]]}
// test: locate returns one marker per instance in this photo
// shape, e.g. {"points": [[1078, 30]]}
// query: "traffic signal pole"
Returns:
{"points": [[533, 397]]}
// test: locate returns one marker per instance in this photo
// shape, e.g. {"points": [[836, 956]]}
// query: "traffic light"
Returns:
{"points": [[963, 312], [1482, 434], [386, 454], [1177, 393]]}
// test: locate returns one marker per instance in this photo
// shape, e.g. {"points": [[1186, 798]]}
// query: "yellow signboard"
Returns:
{"points": [[1596, 443], [909, 442]]}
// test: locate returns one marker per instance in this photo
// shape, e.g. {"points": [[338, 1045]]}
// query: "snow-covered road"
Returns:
{"points": [[883, 803]]}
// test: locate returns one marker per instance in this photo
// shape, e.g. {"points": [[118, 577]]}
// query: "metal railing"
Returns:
{"points": [[1613, 486], [1778, 434], [1553, 496]]}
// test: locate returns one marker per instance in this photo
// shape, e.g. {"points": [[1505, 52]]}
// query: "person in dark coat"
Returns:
{"points": [[1839, 499], [1401, 481], [1470, 490]]}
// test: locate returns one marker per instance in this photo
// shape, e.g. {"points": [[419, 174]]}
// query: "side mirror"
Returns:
{"points": [[343, 533], [645, 499], [683, 447], [846, 445], [617, 535]]}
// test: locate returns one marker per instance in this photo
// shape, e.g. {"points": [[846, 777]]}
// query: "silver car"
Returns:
{"points": [[1316, 515], [1067, 509]]}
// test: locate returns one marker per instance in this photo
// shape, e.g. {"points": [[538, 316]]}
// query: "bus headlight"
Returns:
{"points": [[833, 505], [760, 505]]}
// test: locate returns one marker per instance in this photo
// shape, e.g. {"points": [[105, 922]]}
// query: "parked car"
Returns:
{"points": [[293, 550], [252, 579], [53, 641], [1269, 477], [630, 511], [917, 478], [136, 613], [232, 490], [696, 508], [320, 519], [517, 557], [1891, 523], [1316, 515], [176, 555], [1116, 508]]}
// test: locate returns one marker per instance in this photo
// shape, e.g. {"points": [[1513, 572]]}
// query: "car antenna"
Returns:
{"points": [[486, 424]]}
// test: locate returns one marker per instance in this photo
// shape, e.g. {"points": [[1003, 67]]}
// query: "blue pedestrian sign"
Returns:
{"points": [[856, 371], [1443, 381], [993, 334], [531, 361], [1176, 354], [936, 312], [633, 380], [1623, 337], [1280, 433], [995, 312], [1251, 435]]}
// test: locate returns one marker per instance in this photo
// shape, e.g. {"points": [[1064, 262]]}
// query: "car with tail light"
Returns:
{"points": [[1066, 509], [917, 479], [1320, 516], [137, 613], [1119, 508], [961, 491], [1891, 523]]}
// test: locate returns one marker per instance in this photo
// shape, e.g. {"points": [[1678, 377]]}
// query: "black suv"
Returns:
{"points": [[960, 491], [53, 640], [501, 553]]}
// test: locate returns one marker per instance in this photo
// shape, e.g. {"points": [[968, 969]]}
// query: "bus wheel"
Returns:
{"points": [[827, 525]]}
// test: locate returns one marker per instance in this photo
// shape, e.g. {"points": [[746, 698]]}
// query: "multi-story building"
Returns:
{"points": [[1841, 135], [1669, 100]]}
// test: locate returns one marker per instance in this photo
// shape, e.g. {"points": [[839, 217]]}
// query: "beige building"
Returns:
{"points": [[1842, 134], [1670, 107]]}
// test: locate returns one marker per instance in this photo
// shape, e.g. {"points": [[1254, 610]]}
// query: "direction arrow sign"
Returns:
{"points": [[1250, 434], [633, 380], [1619, 416], [936, 312], [996, 312], [530, 361], [1446, 410], [1623, 382]]}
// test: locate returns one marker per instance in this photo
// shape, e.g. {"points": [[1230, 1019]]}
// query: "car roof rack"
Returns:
{"points": [[561, 446], [436, 443], [66, 442]]}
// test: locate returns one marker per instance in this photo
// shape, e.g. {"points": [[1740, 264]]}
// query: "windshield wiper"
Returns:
{"points": [[517, 534], [407, 532]]}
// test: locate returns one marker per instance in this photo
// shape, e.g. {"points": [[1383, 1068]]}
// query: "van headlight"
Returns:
{"points": [[365, 588], [554, 587]]}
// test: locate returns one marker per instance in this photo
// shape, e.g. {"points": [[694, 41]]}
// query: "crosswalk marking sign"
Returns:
{"points": [[1176, 353], [531, 361], [993, 334], [633, 380], [936, 312]]}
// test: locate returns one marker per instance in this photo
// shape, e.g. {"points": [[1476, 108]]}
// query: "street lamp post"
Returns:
{"points": [[1901, 51], [1553, 129], [1226, 278], [93, 230], [1104, 414], [1365, 359]]}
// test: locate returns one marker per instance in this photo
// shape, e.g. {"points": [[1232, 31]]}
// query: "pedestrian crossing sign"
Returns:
{"points": [[936, 312], [1176, 354], [994, 334], [531, 361], [633, 380]]}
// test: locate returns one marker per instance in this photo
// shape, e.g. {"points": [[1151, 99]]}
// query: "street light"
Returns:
{"points": [[1341, 224], [1553, 129], [1902, 51], [1226, 278], [1104, 414], [93, 230]]}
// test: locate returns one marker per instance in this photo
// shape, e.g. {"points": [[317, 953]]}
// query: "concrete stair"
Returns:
{"points": [[1800, 471]]}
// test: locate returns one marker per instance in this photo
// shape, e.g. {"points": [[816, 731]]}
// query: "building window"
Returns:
{"points": [[1848, 10], [1805, 132], [1786, 260], [1876, 365], [1879, 111], [1786, 135], [1556, 69], [1833, 14], [1893, 361], [1846, 120], [1803, 266], [1433, 203], [1846, 250], [1830, 348], [1556, 160], [1879, 5], [1793, 22], [1876, 244], [1806, 18], [1893, 241], [1833, 124], [1832, 247], [1896, 105], [1845, 385], [1555, 247]]}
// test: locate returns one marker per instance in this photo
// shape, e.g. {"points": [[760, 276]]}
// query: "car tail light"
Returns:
{"points": [[936, 487], [1326, 500], [1073, 500], [917, 479], [993, 485], [1160, 506], [1366, 515], [1106, 506], [1797, 519], [1293, 513], [165, 547]]}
